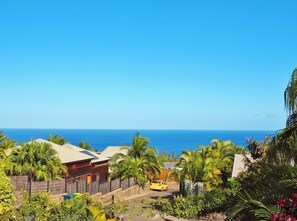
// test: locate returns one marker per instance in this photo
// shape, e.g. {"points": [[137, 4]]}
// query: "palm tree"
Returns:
{"points": [[57, 139], [5, 145], [192, 164], [219, 161], [283, 147], [290, 93], [141, 161], [211, 165], [2, 136], [85, 145], [38, 160]]}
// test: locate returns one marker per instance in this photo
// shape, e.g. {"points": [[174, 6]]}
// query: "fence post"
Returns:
{"points": [[120, 183], [110, 187], [65, 185], [128, 182], [29, 186], [76, 188], [47, 187]]}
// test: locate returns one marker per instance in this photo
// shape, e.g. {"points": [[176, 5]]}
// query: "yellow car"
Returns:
{"points": [[158, 185]]}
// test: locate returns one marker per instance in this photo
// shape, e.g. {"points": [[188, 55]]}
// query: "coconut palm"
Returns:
{"points": [[290, 93], [38, 160], [192, 165], [5, 145], [141, 161], [212, 164], [57, 139], [2, 136], [283, 147], [85, 145]]}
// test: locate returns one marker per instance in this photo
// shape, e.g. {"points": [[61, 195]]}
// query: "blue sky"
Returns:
{"points": [[154, 64]]}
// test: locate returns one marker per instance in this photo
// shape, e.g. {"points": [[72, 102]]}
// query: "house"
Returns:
{"points": [[99, 164], [81, 164], [110, 151], [239, 163]]}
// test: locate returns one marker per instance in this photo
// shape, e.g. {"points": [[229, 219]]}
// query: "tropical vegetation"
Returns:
{"points": [[7, 198], [140, 162], [85, 145], [266, 190], [5, 145], [38, 160], [41, 207], [57, 139], [211, 165]]}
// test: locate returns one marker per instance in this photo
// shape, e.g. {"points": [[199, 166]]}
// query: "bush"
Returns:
{"points": [[6, 197], [40, 207], [192, 207], [264, 181], [181, 207], [215, 200]]}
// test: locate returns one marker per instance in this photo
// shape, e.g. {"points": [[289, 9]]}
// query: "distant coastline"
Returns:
{"points": [[173, 141]]}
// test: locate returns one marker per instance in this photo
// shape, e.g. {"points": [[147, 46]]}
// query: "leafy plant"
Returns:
{"points": [[7, 198], [248, 209], [39, 160]]}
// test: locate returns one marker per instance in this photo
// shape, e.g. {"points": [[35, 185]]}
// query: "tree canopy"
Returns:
{"points": [[39, 160], [140, 162], [211, 164]]}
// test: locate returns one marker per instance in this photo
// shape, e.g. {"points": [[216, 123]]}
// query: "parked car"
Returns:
{"points": [[158, 185]]}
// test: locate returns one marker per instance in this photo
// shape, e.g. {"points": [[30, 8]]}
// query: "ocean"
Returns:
{"points": [[172, 141]]}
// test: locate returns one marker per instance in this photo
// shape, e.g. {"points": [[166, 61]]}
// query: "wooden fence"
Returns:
{"points": [[56, 187]]}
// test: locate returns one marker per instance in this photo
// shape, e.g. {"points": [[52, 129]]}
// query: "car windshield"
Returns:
{"points": [[157, 181]]}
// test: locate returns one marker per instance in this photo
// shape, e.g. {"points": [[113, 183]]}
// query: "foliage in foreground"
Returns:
{"points": [[192, 207], [7, 198], [40, 207]]}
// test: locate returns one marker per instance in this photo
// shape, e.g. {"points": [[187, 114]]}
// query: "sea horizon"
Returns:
{"points": [[173, 141]]}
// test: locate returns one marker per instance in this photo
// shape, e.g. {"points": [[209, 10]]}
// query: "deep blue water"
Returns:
{"points": [[173, 141]]}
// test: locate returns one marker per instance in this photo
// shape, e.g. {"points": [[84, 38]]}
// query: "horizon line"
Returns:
{"points": [[35, 128]]}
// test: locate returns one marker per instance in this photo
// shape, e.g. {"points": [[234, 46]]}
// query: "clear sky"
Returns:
{"points": [[146, 64]]}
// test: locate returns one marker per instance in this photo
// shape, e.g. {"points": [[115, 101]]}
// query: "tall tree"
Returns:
{"points": [[39, 160], [211, 165], [57, 139], [290, 93], [283, 148], [141, 161]]}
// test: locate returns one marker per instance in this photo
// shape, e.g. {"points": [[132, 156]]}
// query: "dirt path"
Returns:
{"points": [[137, 203]]}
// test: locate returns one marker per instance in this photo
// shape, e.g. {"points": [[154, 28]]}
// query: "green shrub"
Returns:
{"points": [[181, 207], [192, 207], [7, 198], [215, 200], [264, 181], [40, 207]]}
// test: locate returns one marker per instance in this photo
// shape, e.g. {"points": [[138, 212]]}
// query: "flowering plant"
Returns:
{"points": [[287, 209]]}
